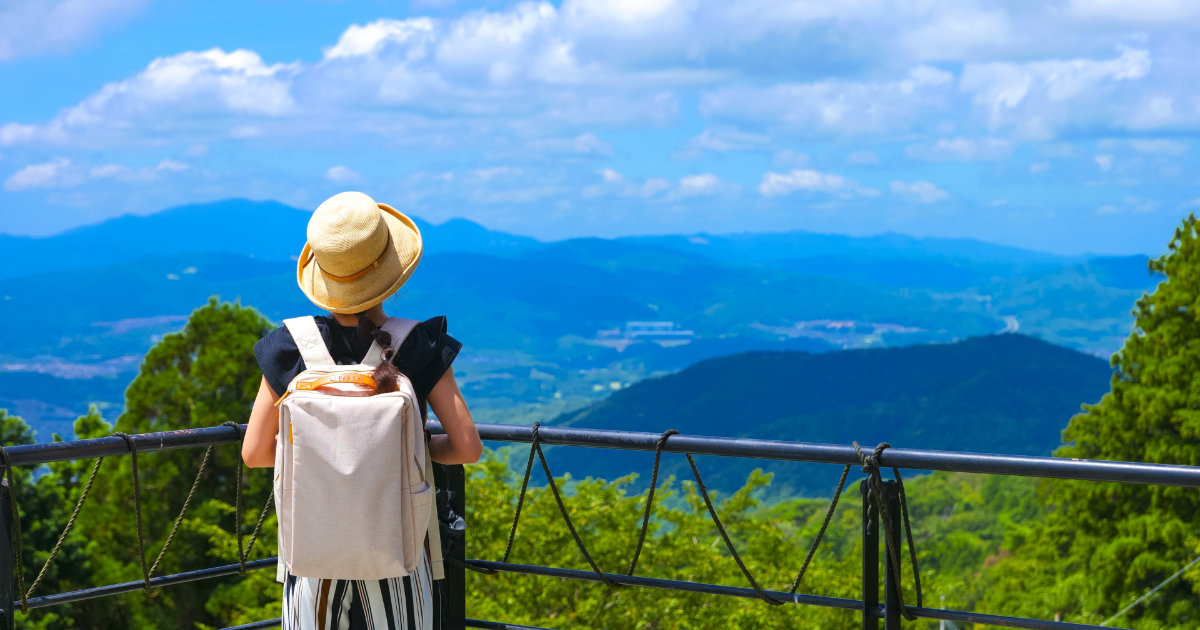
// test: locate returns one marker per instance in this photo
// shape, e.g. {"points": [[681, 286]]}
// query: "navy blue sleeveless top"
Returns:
{"points": [[424, 356]]}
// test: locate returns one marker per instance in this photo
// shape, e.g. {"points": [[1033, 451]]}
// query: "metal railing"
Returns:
{"points": [[870, 608]]}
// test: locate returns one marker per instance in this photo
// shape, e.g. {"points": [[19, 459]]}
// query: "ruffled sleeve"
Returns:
{"points": [[426, 355], [279, 359]]}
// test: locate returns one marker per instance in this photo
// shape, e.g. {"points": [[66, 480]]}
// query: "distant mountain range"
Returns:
{"points": [[995, 394], [547, 325]]}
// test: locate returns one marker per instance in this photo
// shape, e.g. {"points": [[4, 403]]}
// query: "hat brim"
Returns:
{"points": [[375, 286]]}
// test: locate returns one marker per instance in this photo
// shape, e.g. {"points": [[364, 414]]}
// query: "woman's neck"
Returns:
{"points": [[375, 314]]}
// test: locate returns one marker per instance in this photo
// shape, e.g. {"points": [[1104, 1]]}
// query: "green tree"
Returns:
{"points": [[198, 377], [1103, 545]]}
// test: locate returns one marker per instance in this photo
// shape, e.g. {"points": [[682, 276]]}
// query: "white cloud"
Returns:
{"points": [[778, 184], [961, 150], [1168, 12], [492, 172], [368, 39], [1104, 161], [1165, 147], [52, 174], [342, 175], [582, 144], [1039, 167], [701, 185], [1129, 204], [653, 186], [723, 139], [108, 170], [694, 185], [844, 107], [29, 28], [211, 82], [172, 166], [1038, 97], [788, 157], [863, 157], [920, 191], [16, 133]]}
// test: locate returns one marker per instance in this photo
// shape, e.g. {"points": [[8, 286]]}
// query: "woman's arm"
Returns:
{"points": [[258, 445], [460, 444]]}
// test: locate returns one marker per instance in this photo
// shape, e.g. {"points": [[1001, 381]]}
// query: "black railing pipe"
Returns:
{"points": [[1021, 465], [29, 454], [257, 625], [870, 559], [675, 585], [813, 600], [129, 587], [498, 625]]}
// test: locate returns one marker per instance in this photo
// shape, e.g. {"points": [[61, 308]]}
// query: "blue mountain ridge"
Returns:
{"points": [[995, 394]]}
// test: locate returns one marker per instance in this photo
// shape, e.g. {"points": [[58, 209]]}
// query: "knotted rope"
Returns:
{"points": [[16, 517], [137, 507], [870, 465]]}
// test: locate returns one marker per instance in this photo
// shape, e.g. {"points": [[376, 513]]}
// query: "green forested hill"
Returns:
{"points": [[999, 393]]}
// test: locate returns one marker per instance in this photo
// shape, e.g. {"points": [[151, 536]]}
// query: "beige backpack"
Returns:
{"points": [[353, 480]]}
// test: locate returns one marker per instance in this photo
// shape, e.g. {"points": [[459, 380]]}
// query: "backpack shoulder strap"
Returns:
{"points": [[309, 341], [399, 328]]}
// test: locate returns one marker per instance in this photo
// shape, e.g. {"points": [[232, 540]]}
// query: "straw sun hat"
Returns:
{"points": [[358, 253]]}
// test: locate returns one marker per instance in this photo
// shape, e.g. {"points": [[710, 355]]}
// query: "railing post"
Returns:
{"points": [[870, 558], [454, 611], [891, 497], [7, 559]]}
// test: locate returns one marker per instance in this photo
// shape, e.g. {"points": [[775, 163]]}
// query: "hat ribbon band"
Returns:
{"points": [[360, 273]]}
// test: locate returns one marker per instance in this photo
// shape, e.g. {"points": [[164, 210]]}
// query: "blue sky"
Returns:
{"points": [[1065, 126]]}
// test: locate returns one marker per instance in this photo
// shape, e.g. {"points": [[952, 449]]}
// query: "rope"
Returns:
{"points": [[721, 528], [817, 541], [1151, 591], [67, 530], [912, 548], [137, 508], [512, 533], [146, 573], [243, 555], [186, 503], [20, 539], [662, 442], [870, 465], [563, 510], [535, 448]]}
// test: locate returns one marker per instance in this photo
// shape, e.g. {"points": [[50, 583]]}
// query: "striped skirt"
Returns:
{"points": [[401, 603]]}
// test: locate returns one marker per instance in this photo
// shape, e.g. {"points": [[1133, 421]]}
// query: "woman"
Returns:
{"points": [[358, 254]]}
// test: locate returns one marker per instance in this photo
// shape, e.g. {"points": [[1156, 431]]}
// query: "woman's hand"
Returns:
{"points": [[460, 444], [258, 445]]}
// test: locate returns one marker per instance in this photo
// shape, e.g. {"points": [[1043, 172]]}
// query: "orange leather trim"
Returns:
{"points": [[357, 379]]}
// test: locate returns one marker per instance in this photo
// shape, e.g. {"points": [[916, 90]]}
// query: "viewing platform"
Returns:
{"points": [[883, 511]]}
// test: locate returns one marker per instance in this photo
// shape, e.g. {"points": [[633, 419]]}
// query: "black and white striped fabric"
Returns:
{"points": [[399, 603]]}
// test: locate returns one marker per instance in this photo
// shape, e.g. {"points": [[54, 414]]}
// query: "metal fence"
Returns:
{"points": [[871, 610]]}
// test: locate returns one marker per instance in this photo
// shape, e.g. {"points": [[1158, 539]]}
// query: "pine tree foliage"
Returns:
{"points": [[1103, 545], [198, 377]]}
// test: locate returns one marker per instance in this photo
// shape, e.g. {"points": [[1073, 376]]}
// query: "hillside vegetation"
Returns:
{"points": [[999, 394]]}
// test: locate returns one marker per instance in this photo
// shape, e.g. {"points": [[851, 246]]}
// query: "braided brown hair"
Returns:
{"points": [[386, 375]]}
